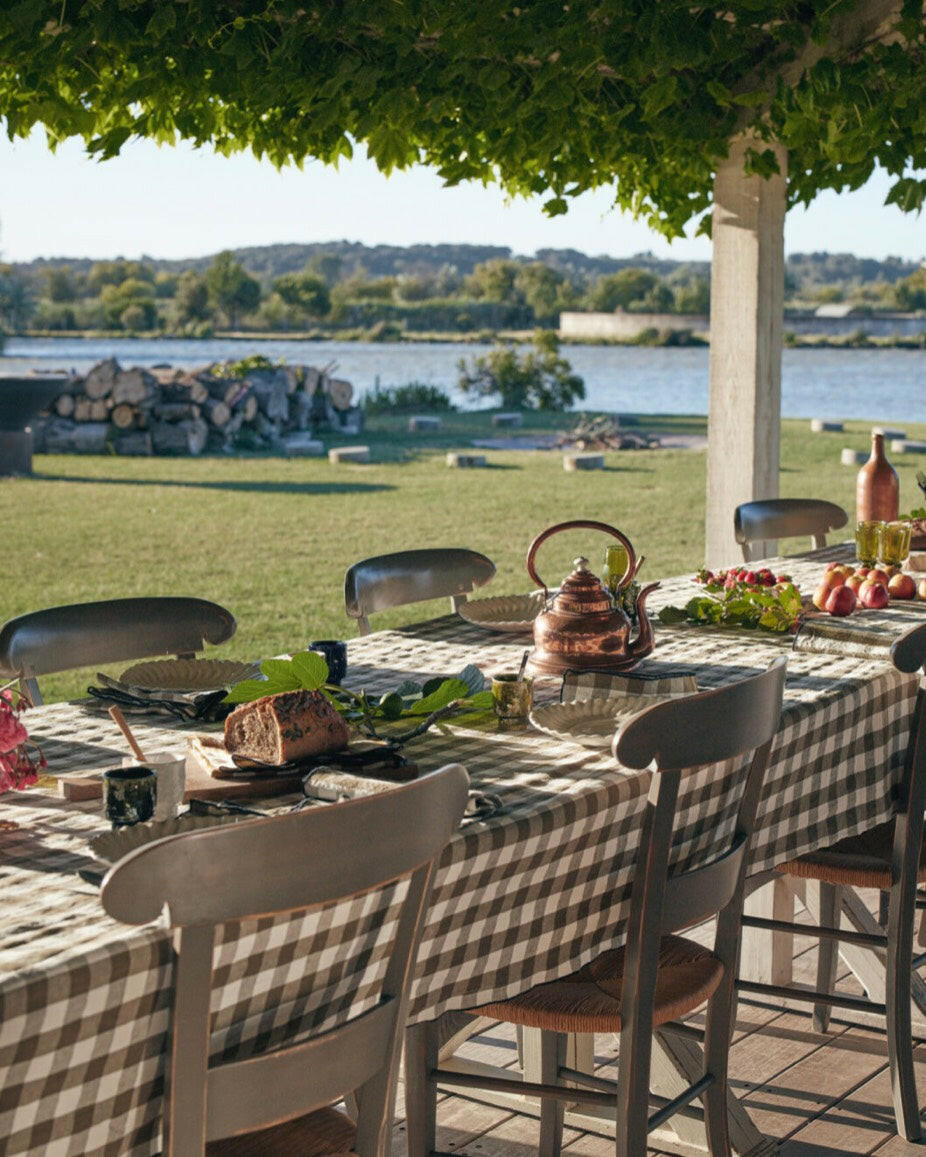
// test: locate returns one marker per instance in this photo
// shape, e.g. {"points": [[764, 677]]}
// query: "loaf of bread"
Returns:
{"points": [[289, 726]]}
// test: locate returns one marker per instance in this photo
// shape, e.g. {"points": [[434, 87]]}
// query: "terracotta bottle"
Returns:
{"points": [[877, 491]]}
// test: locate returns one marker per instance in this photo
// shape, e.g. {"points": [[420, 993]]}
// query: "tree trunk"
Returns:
{"points": [[99, 382], [272, 399], [136, 443], [82, 408], [300, 411], [64, 405], [63, 437], [135, 387], [123, 416], [340, 393], [218, 413], [187, 437], [174, 411], [99, 411]]}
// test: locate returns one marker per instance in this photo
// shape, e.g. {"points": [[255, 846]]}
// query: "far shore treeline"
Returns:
{"points": [[384, 292]]}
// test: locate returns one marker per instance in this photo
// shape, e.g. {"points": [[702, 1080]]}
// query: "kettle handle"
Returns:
{"points": [[580, 524]]}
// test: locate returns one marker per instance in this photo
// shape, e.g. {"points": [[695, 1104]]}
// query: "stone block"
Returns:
{"points": [[349, 454], [907, 446], [888, 432], [302, 446], [853, 457], [508, 420], [583, 461], [15, 452], [819, 426], [466, 461], [422, 422]]}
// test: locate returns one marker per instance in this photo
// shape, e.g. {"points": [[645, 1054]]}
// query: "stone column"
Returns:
{"points": [[747, 309]]}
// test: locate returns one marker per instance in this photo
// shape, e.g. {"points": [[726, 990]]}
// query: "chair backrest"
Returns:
{"points": [[62, 638], [381, 849], [735, 723], [773, 518], [908, 654], [412, 576]]}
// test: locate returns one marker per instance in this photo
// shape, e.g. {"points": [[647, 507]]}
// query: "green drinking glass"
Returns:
{"points": [[868, 541]]}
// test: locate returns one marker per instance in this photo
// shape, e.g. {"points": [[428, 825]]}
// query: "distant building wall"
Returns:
{"points": [[626, 325]]}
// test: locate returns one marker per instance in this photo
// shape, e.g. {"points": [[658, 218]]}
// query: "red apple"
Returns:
{"points": [[901, 586], [921, 590], [853, 582], [820, 595], [878, 576], [841, 600], [890, 571], [864, 571], [831, 566], [873, 595], [833, 579]]}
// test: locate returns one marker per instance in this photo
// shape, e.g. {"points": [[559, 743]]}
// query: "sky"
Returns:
{"points": [[183, 202]]}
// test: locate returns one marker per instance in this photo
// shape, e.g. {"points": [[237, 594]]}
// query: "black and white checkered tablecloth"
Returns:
{"points": [[527, 895]]}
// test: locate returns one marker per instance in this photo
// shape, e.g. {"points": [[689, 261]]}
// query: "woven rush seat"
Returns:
{"points": [[861, 861], [589, 1000], [324, 1133]]}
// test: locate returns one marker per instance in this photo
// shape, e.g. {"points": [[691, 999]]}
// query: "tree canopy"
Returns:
{"points": [[545, 97]]}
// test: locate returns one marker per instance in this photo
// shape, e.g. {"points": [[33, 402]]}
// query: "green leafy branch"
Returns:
{"points": [[461, 696], [770, 608]]}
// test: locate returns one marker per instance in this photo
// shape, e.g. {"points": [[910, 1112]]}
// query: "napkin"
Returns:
{"points": [[207, 706], [866, 634], [580, 686]]}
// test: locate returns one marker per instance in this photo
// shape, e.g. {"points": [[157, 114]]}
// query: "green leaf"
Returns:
{"points": [[281, 672], [391, 705], [672, 615], [473, 678], [431, 685], [310, 668], [448, 690], [250, 689]]}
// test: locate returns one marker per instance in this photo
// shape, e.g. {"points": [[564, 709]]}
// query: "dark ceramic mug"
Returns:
{"points": [[129, 795], [334, 652]]}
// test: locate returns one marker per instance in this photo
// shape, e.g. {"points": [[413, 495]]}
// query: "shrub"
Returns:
{"points": [[414, 396], [540, 379]]}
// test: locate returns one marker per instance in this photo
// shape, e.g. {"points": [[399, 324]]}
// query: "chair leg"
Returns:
{"points": [[899, 1027], [552, 1057], [718, 1030], [421, 1089], [827, 953], [633, 1077], [884, 904]]}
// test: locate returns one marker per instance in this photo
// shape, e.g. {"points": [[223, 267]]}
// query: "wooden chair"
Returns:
{"points": [[774, 518], [412, 576], [891, 858], [62, 638], [658, 976], [279, 1101]]}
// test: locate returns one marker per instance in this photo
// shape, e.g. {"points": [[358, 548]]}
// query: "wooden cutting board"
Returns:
{"points": [[202, 784]]}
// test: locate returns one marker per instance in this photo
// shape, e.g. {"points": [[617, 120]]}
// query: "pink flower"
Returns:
{"points": [[12, 732]]}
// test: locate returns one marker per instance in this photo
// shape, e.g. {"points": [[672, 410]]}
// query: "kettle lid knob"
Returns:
{"points": [[580, 563]]}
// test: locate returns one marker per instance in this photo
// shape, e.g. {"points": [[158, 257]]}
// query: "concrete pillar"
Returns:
{"points": [[15, 452], [747, 308]]}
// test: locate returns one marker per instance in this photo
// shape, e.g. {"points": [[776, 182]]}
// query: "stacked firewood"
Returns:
{"points": [[604, 433], [213, 409]]}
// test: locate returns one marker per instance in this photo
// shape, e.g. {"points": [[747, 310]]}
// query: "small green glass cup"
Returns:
{"points": [[895, 543], [511, 699], [615, 567], [868, 541]]}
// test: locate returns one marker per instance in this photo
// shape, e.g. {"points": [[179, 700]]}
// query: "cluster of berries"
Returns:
{"points": [[727, 579]]}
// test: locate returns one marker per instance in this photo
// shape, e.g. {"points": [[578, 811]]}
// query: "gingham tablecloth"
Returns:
{"points": [[530, 894]]}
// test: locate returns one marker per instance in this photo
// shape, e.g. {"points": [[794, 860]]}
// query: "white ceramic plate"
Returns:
{"points": [[187, 674], [593, 722], [510, 614], [112, 846]]}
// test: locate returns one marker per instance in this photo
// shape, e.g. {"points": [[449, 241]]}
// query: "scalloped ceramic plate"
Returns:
{"points": [[187, 674], [112, 846], [592, 722], [510, 614]]}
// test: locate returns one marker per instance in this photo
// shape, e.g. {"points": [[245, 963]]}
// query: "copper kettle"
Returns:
{"points": [[582, 628]]}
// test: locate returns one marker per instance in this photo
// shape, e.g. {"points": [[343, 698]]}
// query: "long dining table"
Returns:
{"points": [[529, 893]]}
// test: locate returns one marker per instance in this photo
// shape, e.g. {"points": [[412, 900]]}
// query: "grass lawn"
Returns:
{"points": [[271, 538]]}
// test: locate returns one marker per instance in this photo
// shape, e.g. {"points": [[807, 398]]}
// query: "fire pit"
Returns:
{"points": [[21, 400]]}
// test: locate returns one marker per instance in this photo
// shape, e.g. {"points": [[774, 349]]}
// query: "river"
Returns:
{"points": [[887, 385]]}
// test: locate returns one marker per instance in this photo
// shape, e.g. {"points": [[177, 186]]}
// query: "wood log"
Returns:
{"points": [[82, 407], [99, 382], [64, 437], [198, 392], [135, 386], [272, 397], [136, 443], [174, 411], [300, 411], [340, 393], [123, 416], [187, 437], [182, 392], [216, 412], [99, 410], [248, 407], [64, 405], [312, 379], [267, 428], [224, 389], [293, 377]]}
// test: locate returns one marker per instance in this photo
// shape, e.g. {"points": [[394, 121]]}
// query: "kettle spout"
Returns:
{"points": [[643, 644]]}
